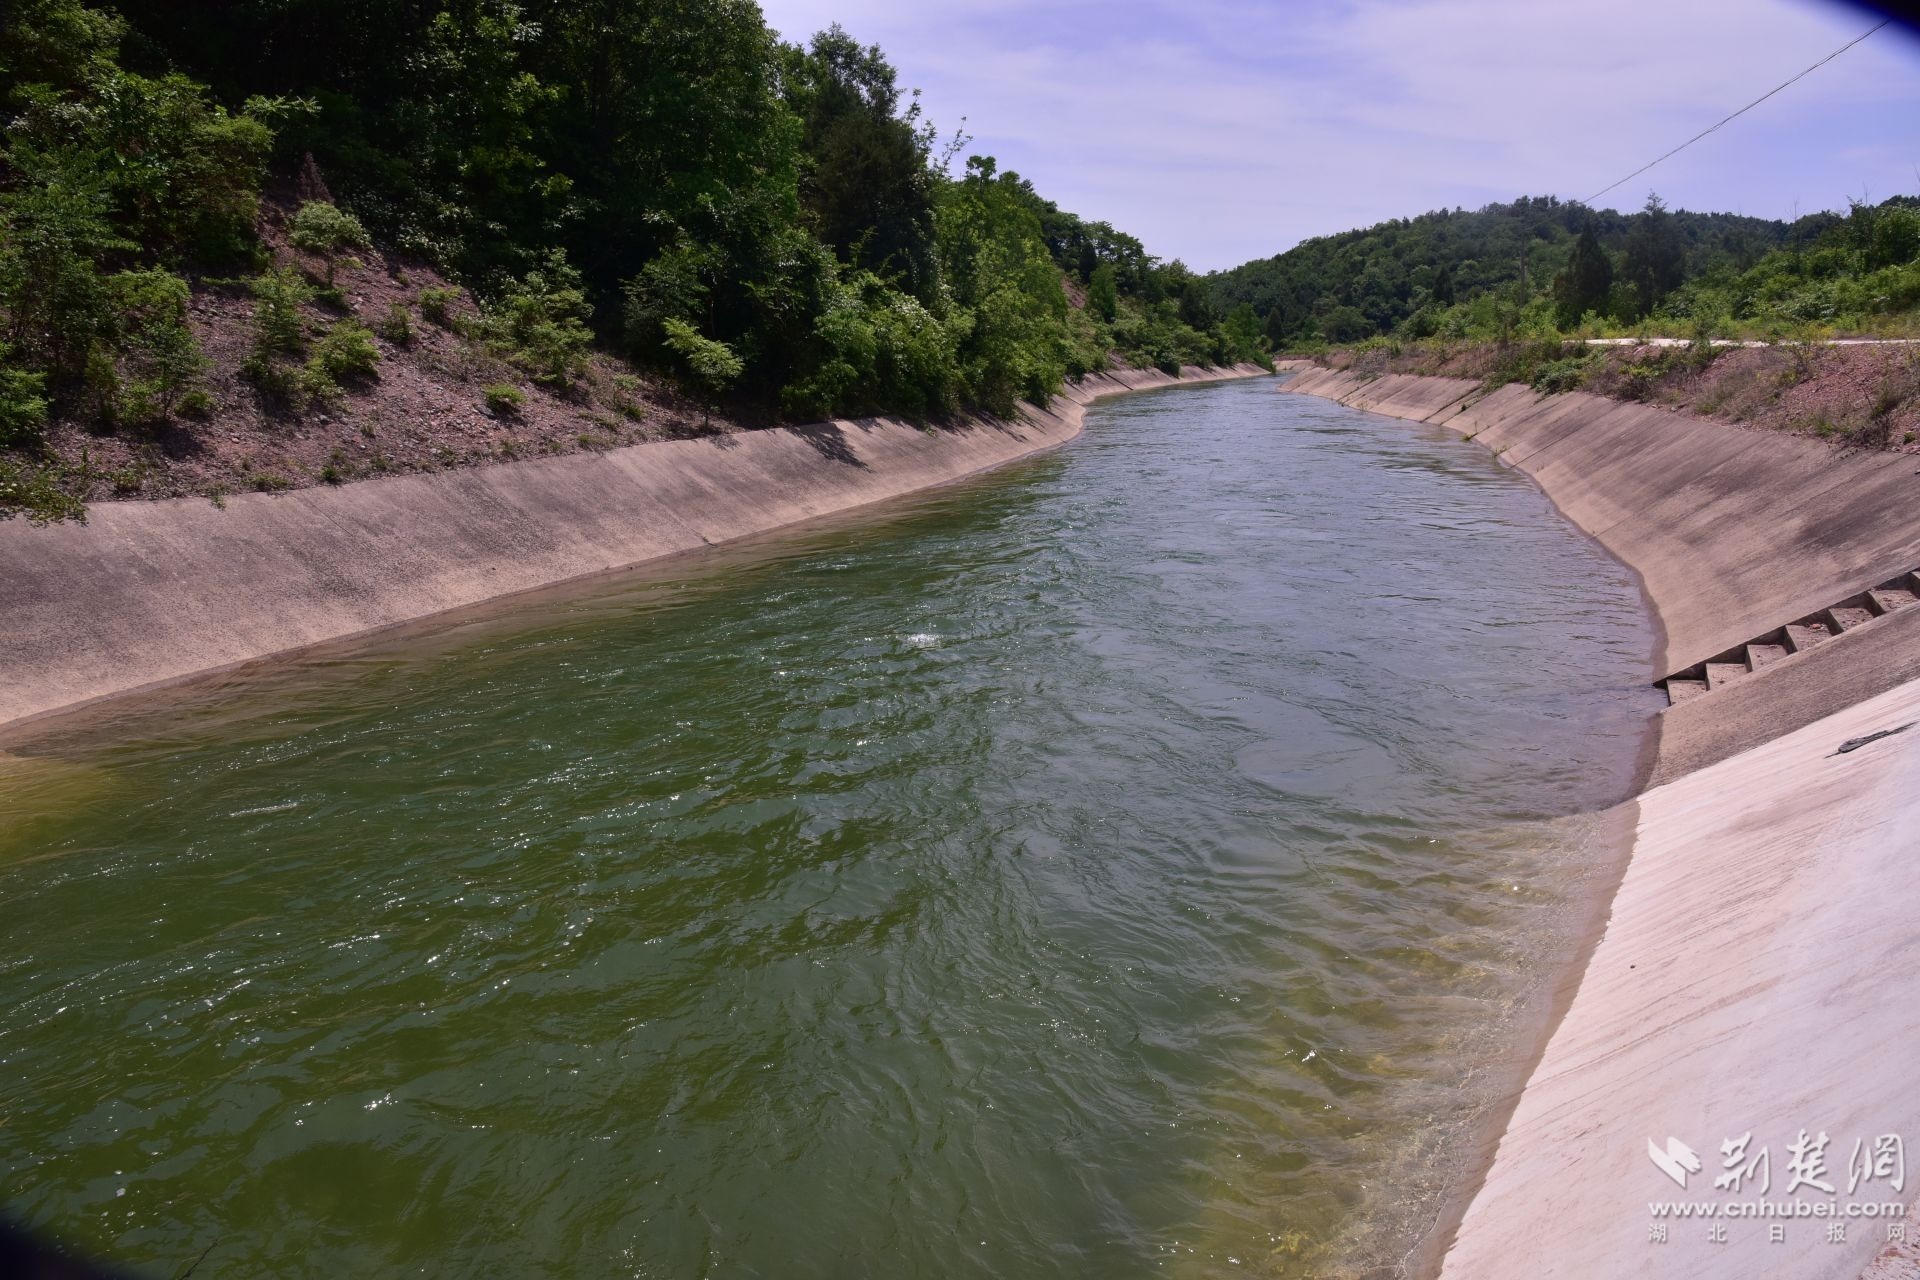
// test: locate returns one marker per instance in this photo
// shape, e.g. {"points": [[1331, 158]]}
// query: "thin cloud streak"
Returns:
{"points": [[1223, 130]]}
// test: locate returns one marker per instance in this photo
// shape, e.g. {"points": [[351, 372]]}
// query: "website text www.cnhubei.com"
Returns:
{"points": [[1762, 1208]]}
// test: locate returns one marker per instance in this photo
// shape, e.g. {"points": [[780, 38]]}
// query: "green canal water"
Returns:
{"points": [[1131, 862]]}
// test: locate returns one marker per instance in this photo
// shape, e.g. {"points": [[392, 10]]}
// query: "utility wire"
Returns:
{"points": [[1742, 111]]}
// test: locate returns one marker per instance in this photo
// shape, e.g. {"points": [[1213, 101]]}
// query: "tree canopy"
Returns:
{"points": [[1404, 276], [663, 177]]}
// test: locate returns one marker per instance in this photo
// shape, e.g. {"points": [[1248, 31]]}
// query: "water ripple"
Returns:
{"points": [[1124, 863]]}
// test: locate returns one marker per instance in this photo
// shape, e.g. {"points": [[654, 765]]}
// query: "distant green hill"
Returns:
{"points": [[1402, 275]]}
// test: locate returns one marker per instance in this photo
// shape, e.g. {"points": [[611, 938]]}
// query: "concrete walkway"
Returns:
{"points": [[1736, 342]]}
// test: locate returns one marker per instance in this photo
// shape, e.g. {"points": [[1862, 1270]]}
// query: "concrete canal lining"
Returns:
{"points": [[1747, 980], [147, 593]]}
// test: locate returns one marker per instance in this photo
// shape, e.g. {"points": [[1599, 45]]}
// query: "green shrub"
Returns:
{"points": [[35, 491], [1556, 376], [346, 352], [161, 359], [436, 304], [626, 396], [1637, 379], [711, 365], [326, 229], [397, 325], [504, 397], [277, 323], [539, 322], [23, 403]]}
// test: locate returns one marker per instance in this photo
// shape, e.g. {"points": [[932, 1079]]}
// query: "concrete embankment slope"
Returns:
{"points": [[1753, 979], [1734, 534], [1752, 974], [150, 592]]}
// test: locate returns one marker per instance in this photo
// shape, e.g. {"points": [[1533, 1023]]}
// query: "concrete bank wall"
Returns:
{"points": [[1733, 533], [1749, 977], [149, 592], [1752, 980]]}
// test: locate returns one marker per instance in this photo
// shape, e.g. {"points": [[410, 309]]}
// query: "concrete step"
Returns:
{"points": [[1890, 599], [1795, 637], [1679, 690], [1721, 674], [1801, 637]]}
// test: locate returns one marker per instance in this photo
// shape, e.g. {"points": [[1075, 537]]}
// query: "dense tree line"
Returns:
{"points": [[765, 222], [1543, 263]]}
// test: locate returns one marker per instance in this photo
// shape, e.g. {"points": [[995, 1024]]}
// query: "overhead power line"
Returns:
{"points": [[1742, 111]]}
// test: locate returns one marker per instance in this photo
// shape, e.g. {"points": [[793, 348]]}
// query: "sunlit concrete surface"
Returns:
{"points": [[1755, 978]]}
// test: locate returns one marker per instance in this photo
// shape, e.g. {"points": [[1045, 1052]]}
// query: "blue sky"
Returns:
{"points": [[1223, 130]]}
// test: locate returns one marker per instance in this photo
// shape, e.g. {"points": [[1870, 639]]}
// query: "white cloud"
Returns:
{"points": [[1220, 130]]}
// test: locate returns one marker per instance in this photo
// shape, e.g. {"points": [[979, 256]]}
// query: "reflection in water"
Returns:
{"points": [[1128, 862]]}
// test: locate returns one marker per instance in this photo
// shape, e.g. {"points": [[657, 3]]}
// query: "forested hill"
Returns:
{"points": [[769, 228], [1402, 275]]}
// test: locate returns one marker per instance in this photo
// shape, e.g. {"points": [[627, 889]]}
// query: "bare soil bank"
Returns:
{"points": [[150, 592], [423, 409], [1864, 395]]}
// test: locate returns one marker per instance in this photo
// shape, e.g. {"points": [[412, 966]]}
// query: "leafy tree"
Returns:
{"points": [[1445, 260], [163, 361], [1103, 292], [1587, 282], [668, 170], [278, 327], [674, 286], [867, 182], [1656, 255], [59, 44], [55, 231], [1346, 324], [541, 321], [711, 365], [1003, 278], [23, 403], [1196, 304], [1245, 340]]}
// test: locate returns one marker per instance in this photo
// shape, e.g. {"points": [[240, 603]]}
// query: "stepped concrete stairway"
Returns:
{"points": [[1745, 660]]}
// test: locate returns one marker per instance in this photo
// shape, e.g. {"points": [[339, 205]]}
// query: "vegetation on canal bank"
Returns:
{"points": [[262, 245], [1513, 293], [1864, 396], [290, 240]]}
